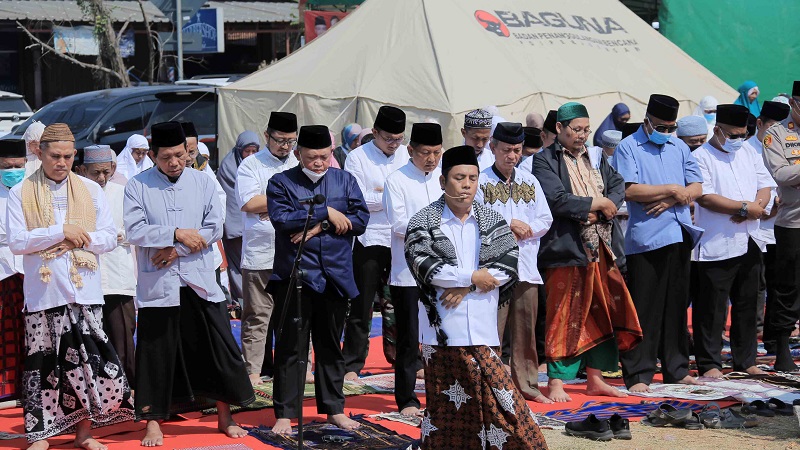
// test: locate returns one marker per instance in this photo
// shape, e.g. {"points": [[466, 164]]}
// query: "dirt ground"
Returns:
{"points": [[778, 433]]}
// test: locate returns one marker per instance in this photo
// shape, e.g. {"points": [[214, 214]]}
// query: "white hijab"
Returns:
{"points": [[126, 165], [32, 133], [708, 102]]}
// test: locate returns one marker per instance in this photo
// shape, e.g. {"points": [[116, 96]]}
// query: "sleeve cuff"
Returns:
{"points": [[464, 277]]}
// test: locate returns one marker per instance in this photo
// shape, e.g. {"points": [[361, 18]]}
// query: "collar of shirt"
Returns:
{"points": [[448, 216], [417, 171], [501, 176], [378, 152], [56, 185]]}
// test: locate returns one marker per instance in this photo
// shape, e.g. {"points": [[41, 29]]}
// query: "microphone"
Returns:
{"points": [[462, 196], [312, 200]]}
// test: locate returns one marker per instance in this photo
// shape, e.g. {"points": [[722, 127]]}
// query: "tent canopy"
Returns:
{"points": [[438, 59]]}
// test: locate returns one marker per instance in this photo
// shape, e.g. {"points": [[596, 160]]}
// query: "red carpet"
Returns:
{"points": [[197, 430]]}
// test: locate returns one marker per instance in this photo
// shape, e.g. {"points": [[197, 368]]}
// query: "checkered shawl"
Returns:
{"points": [[427, 249]]}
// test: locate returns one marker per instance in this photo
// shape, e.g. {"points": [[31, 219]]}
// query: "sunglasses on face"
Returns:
{"points": [[669, 129], [733, 136]]}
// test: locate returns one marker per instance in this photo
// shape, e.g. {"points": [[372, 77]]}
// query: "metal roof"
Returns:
{"points": [[68, 11], [240, 12]]}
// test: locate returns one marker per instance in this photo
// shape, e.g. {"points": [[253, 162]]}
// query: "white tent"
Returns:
{"points": [[438, 59]]}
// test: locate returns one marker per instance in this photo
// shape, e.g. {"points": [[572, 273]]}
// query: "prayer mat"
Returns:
{"points": [[219, 447], [381, 384], [325, 436], [395, 416], [604, 410], [548, 423], [780, 379], [5, 436], [265, 398], [716, 389]]}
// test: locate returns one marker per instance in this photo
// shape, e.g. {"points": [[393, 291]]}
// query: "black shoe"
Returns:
{"points": [[591, 428], [620, 427]]}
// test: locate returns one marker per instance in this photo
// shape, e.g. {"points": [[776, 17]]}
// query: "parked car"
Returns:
{"points": [[196, 104], [107, 116], [13, 111]]}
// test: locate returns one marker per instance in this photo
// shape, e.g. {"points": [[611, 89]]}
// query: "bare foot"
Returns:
{"points": [[753, 370], [543, 368], [153, 436], [309, 378], [411, 411], [688, 379], [604, 389], [557, 393], [232, 430], [343, 422], [542, 399], [88, 443], [255, 379], [421, 374], [282, 426], [39, 445], [640, 387], [713, 373], [350, 376]]}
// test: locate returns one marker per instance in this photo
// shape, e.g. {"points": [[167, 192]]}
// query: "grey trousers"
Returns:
{"points": [[522, 313], [256, 315]]}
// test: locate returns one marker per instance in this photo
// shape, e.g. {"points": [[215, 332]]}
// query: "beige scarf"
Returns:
{"points": [[37, 206]]}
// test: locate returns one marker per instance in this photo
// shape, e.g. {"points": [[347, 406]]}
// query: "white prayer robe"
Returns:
{"points": [[117, 266]]}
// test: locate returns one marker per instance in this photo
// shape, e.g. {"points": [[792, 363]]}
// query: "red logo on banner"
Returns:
{"points": [[491, 23]]}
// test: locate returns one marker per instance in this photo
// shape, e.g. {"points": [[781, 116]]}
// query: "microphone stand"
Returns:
{"points": [[296, 282]]}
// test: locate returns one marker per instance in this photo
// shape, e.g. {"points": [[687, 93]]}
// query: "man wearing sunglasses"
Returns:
{"points": [[782, 157], [662, 178], [370, 164], [736, 192]]}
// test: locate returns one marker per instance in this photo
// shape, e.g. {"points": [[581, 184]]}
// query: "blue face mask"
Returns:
{"points": [[659, 138], [710, 117], [12, 177]]}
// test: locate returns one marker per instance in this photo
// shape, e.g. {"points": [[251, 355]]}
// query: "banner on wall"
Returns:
{"points": [[319, 22]]}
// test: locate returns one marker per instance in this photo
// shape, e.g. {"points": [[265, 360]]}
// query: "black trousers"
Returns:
{"points": [[406, 310], [370, 265], [187, 358], [783, 315], [119, 324], [323, 317], [658, 281], [767, 289], [717, 281]]}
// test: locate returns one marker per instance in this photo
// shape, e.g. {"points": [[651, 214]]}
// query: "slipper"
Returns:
{"points": [[759, 408], [780, 407], [693, 423], [710, 415], [667, 414], [725, 418], [747, 422]]}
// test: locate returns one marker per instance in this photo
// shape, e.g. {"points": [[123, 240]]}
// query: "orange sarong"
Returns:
{"points": [[587, 306]]}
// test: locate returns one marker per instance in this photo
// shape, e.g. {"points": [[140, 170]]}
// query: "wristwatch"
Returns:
{"points": [[325, 225], [473, 288], [175, 236], [743, 210]]}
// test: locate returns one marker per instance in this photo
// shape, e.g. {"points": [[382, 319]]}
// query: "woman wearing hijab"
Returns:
{"points": [[364, 137], [620, 115], [349, 142], [748, 97], [707, 109], [246, 144], [133, 159]]}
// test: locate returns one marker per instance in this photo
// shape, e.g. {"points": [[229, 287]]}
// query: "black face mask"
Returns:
{"points": [[694, 147]]}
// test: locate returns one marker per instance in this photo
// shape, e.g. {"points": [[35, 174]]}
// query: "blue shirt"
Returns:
{"points": [[327, 260], [640, 161]]}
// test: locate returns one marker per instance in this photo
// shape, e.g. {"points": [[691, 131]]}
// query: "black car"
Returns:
{"points": [[107, 117]]}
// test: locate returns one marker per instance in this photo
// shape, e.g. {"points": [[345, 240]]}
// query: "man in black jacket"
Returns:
{"points": [[581, 254]]}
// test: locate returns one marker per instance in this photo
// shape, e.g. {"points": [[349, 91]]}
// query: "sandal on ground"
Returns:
{"points": [[714, 417], [693, 423], [667, 414], [780, 407], [759, 408]]}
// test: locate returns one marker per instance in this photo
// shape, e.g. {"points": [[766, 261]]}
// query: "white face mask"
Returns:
{"points": [[731, 145], [313, 176]]}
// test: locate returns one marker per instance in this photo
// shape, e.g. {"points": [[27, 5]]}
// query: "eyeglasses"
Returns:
{"points": [[733, 136], [392, 141], [587, 131], [669, 129], [284, 142]]}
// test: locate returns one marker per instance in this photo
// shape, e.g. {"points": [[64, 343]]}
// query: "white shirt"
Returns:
{"points": [[474, 320], [371, 166], [485, 159], [60, 290], [10, 263], [117, 265], [527, 164], [766, 227], [407, 191], [258, 236], [529, 206], [738, 176]]}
